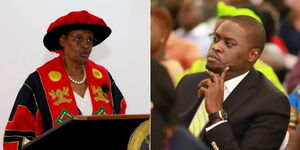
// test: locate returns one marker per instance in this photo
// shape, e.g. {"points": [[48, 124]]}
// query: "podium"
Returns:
{"points": [[89, 132]]}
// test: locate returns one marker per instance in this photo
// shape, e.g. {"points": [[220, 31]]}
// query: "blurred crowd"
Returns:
{"points": [[180, 39]]}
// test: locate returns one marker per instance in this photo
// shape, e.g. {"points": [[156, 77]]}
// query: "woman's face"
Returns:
{"points": [[77, 45]]}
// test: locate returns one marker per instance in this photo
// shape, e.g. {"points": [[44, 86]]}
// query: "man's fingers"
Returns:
{"points": [[201, 91], [205, 83], [203, 87], [214, 76], [224, 72]]}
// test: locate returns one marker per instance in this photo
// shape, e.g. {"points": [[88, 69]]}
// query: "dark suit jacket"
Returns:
{"points": [[183, 140], [258, 113]]}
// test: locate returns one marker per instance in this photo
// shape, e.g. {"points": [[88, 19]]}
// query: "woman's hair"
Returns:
{"points": [[163, 18]]}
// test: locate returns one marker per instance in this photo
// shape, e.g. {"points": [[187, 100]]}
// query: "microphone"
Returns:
{"points": [[105, 89]]}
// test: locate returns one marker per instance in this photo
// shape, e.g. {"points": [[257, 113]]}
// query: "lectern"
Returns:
{"points": [[89, 132]]}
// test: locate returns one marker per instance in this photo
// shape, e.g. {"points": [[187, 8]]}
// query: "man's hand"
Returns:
{"points": [[213, 90]]}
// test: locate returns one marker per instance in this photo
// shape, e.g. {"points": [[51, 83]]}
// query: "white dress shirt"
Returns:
{"points": [[84, 103]]}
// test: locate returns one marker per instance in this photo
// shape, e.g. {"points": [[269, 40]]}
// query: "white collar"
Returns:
{"points": [[232, 83]]}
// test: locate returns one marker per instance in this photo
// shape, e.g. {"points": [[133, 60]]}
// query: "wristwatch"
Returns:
{"points": [[219, 114]]}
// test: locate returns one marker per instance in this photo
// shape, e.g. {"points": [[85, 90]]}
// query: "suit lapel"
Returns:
{"points": [[188, 115], [244, 90]]}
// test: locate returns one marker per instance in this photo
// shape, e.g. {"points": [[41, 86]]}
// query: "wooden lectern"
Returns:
{"points": [[89, 132]]}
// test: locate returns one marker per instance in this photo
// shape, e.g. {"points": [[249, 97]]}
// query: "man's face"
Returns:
{"points": [[229, 47]]}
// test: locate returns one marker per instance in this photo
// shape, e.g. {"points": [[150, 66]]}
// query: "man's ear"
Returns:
{"points": [[254, 54]]}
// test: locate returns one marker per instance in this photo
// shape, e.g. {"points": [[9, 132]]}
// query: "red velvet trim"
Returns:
{"points": [[38, 124], [123, 107], [77, 17], [63, 84], [22, 121], [98, 83], [10, 146], [52, 87]]}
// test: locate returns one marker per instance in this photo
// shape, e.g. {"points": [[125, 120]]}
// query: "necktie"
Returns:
{"points": [[199, 120]]}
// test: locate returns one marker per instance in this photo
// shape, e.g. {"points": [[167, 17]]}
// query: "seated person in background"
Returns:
{"points": [[232, 105], [196, 19], [182, 50], [293, 78], [166, 132], [290, 28], [67, 85], [225, 11], [294, 98], [273, 53], [161, 27]]}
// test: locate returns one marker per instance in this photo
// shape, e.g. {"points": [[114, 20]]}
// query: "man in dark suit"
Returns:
{"points": [[245, 110]]}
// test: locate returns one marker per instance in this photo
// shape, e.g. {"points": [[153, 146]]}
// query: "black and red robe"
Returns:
{"points": [[46, 100]]}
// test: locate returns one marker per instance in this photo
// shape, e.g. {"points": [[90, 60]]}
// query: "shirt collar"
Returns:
{"points": [[232, 83]]}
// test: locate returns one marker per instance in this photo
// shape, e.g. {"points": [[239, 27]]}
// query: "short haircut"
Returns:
{"points": [[164, 18], [255, 30]]}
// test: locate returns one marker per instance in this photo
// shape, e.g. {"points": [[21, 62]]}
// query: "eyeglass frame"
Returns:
{"points": [[79, 39]]}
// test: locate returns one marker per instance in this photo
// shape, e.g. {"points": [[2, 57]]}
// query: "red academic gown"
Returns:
{"points": [[46, 100]]}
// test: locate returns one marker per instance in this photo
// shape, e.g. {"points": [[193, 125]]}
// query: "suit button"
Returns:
{"points": [[214, 145]]}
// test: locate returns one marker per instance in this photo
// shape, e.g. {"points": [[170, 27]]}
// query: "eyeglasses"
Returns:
{"points": [[79, 40]]}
